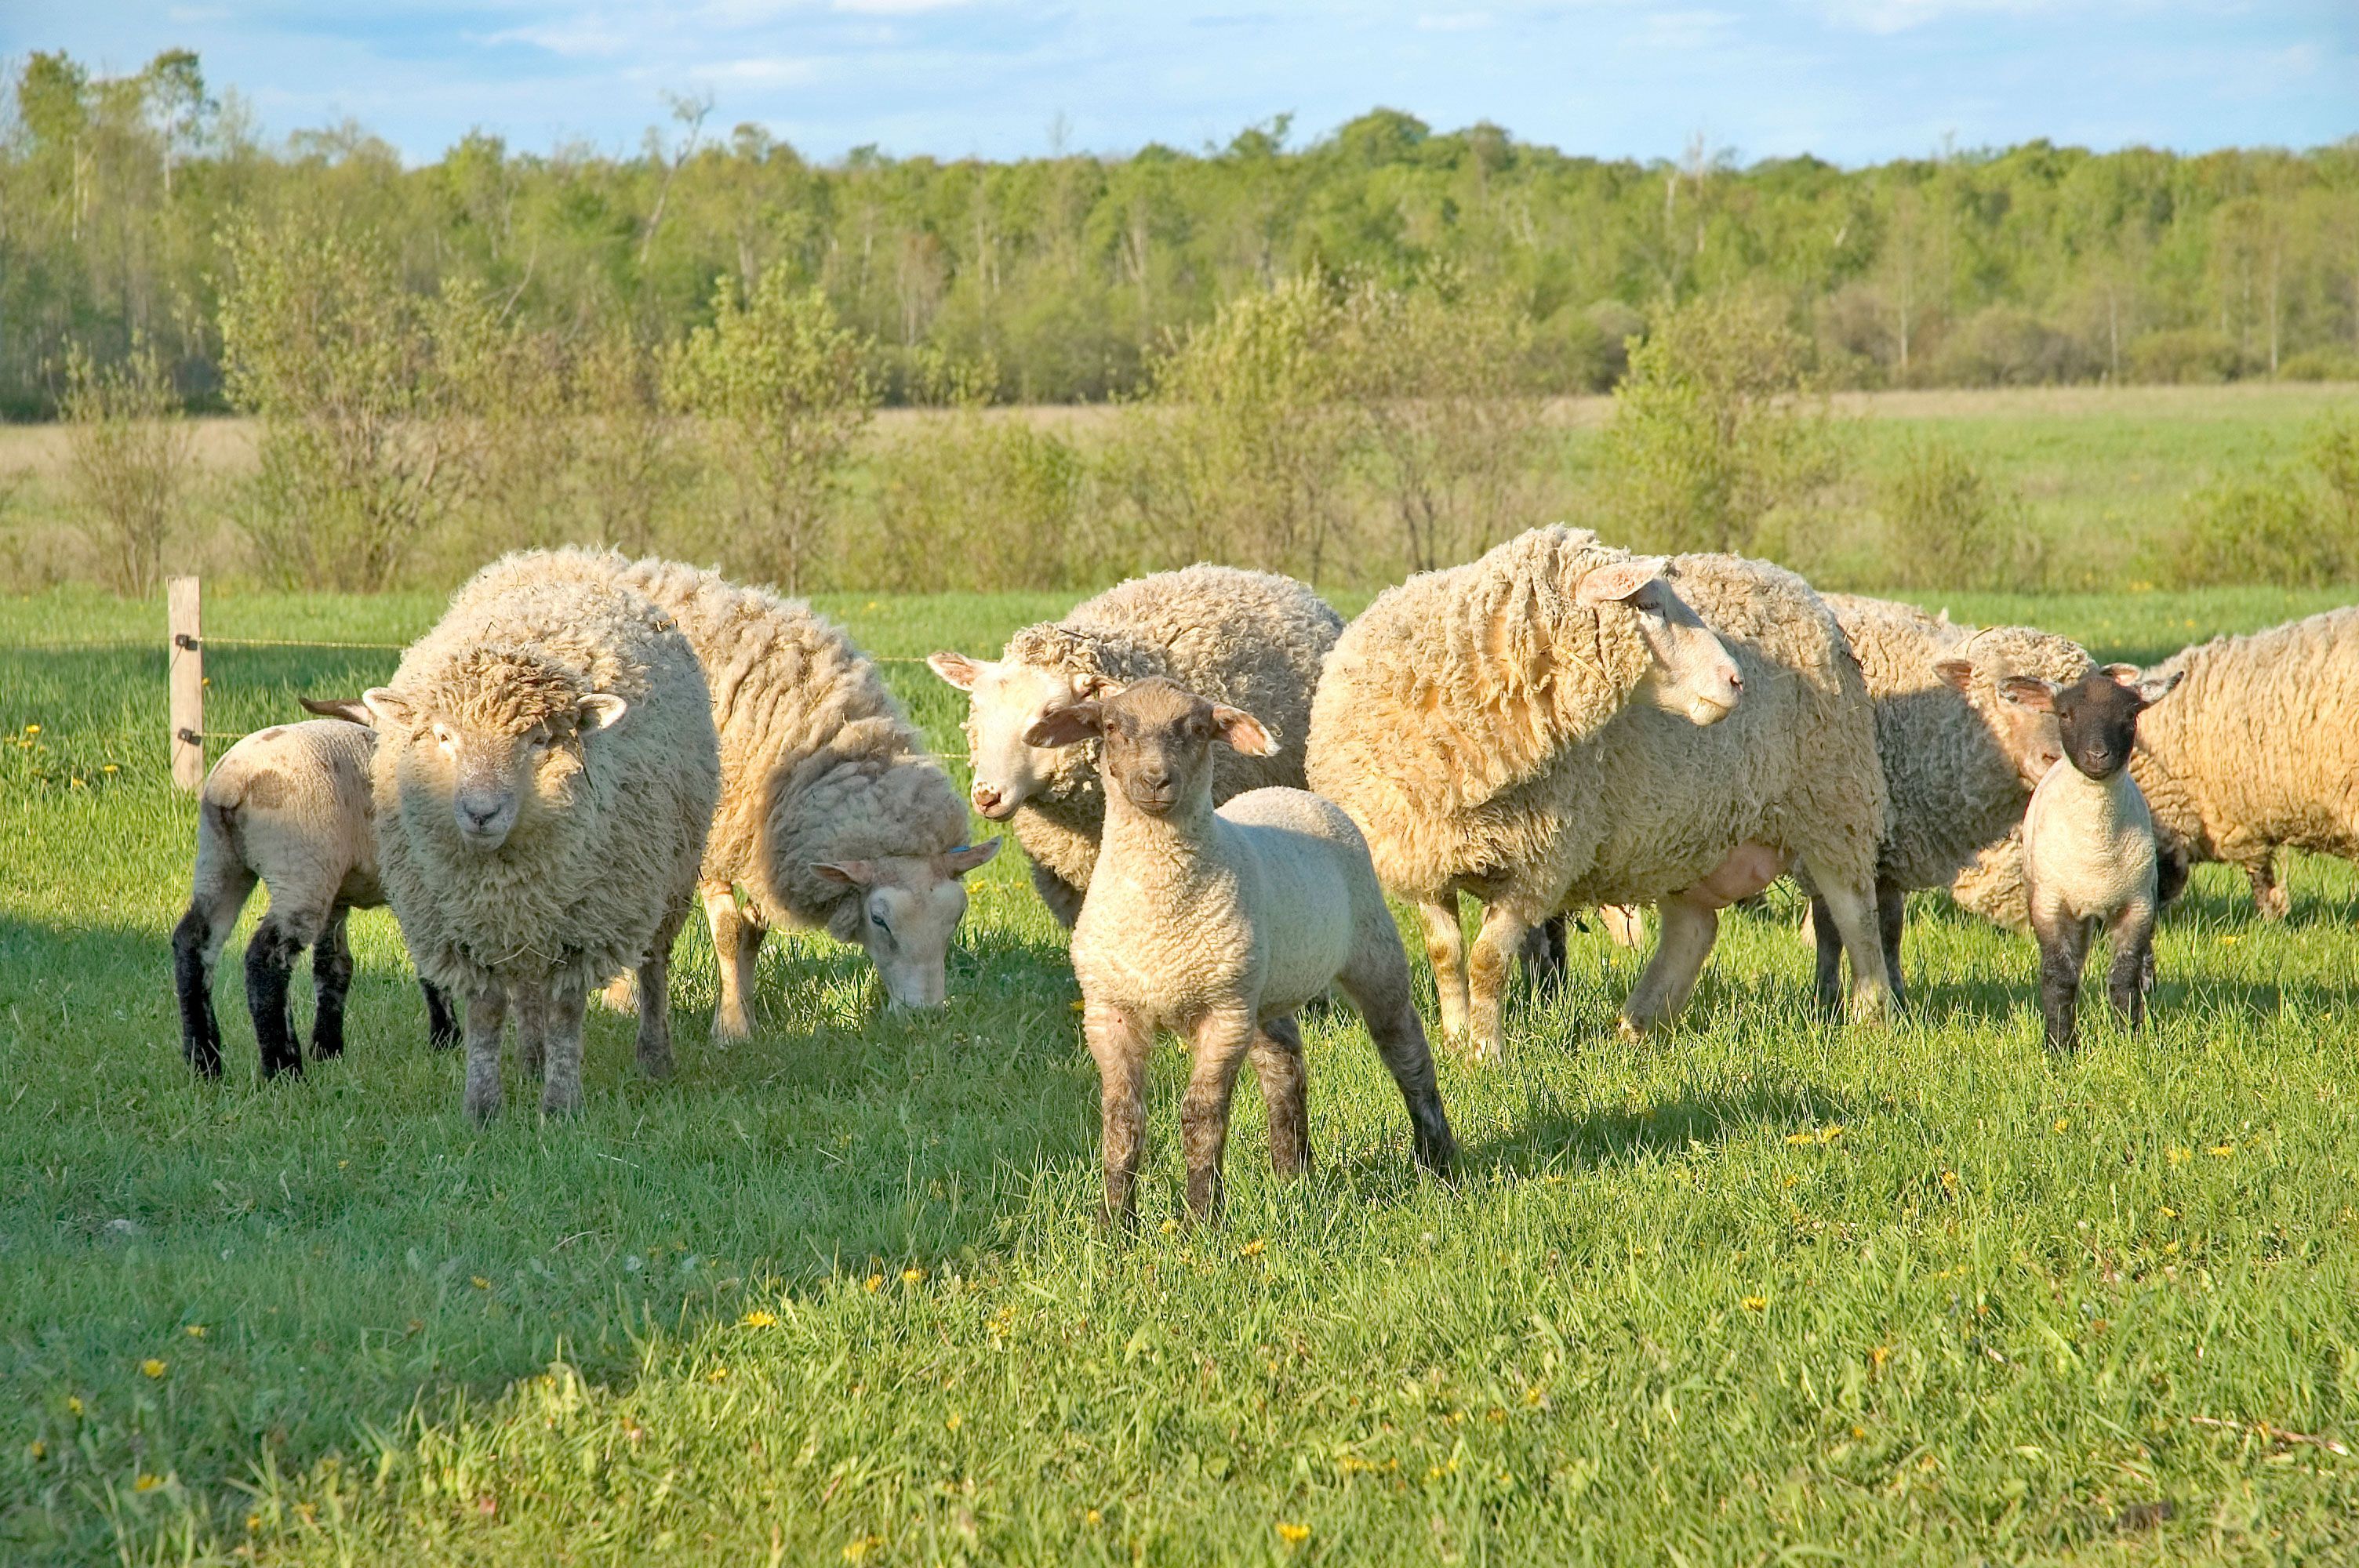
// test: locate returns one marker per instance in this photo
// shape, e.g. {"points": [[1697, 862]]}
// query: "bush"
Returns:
{"points": [[2252, 529], [2333, 454], [975, 499], [128, 461], [2006, 347], [2320, 364], [1712, 429], [1948, 525], [2193, 355]]}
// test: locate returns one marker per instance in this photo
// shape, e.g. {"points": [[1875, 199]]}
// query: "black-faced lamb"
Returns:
{"points": [[1218, 925], [1252, 640], [546, 773], [2088, 845], [292, 806]]}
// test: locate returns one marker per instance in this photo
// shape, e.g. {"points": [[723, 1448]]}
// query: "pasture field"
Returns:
{"points": [[1767, 1288]]}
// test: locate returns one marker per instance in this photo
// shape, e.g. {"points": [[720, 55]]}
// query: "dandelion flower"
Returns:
{"points": [[1948, 1181], [194, 1331], [37, 1450], [2220, 1151], [1756, 1303], [860, 1546], [718, 1375], [152, 1367], [253, 1521], [1293, 1534], [73, 1404], [108, 769], [146, 1483], [32, 729], [759, 1319], [912, 1274], [1093, 1517], [2179, 1153], [480, 1283], [2063, 1124], [874, 1283], [1253, 1249], [954, 1420]]}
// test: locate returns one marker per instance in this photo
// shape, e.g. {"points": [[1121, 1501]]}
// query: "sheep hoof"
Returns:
{"points": [[483, 1109], [556, 1101]]}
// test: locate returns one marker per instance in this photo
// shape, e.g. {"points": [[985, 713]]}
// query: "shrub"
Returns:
{"points": [[2320, 364], [1712, 429], [2190, 356], [977, 498], [2006, 346], [629, 442], [2250, 529], [128, 462], [2333, 454], [1948, 525]]}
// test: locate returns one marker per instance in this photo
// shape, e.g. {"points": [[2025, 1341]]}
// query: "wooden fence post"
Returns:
{"points": [[186, 666]]}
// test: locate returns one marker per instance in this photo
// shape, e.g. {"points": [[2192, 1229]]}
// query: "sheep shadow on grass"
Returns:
{"points": [[1554, 1137]]}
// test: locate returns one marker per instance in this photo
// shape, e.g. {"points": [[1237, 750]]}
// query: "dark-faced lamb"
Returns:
{"points": [[1218, 926], [2088, 845]]}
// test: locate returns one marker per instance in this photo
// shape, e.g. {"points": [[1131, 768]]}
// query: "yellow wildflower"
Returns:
{"points": [[253, 1521], [1756, 1303], [873, 1283], [108, 769], [2179, 1153], [1079, 1006], [146, 1483], [32, 729], [860, 1546], [911, 1275], [1253, 1249], [194, 1331], [37, 1450], [2220, 1151], [480, 1283], [954, 1420], [73, 1404], [1093, 1517], [1948, 1181], [718, 1375], [2063, 1124], [759, 1319], [152, 1367], [1293, 1534]]}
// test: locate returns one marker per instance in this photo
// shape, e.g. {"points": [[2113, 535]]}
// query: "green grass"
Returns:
{"points": [[836, 1294]]}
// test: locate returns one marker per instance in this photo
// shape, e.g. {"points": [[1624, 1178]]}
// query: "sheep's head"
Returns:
{"points": [[1156, 741], [2026, 736], [1688, 671], [2096, 717], [499, 736], [909, 908], [1006, 698]]}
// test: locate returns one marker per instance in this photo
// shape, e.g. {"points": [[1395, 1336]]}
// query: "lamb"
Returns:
{"points": [[1480, 727], [546, 773], [290, 806], [2088, 844], [1959, 760], [832, 816], [1218, 926], [1249, 639]]}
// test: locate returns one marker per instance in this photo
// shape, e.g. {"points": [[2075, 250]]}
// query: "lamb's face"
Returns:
{"points": [[910, 906], [2096, 717], [1005, 699], [499, 770], [1156, 741], [1689, 672]]}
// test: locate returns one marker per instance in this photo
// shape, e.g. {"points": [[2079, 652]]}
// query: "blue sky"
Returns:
{"points": [[1852, 80]]}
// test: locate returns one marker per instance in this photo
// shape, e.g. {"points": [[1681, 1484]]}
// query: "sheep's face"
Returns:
{"points": [[2026, 736], [502, 758], [910, 909], [1156, 741], [2096, 717], [1688, 671], [1006, 699]]}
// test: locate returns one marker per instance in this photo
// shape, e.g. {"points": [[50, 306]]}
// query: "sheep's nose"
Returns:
{"points": [[1735, 679], [476, 815], [1155, 778]]}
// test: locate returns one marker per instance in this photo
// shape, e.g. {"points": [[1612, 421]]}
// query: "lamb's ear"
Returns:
{"points": [[851, 873], [601, 710], [351, 712], [1957, 673], [1621, 581], [967, 857], [1243, 732], [1066, 726], [1096, 686], [956, 668], [387, 704], [2126, 675], [2031, 691], [2152, 690]]}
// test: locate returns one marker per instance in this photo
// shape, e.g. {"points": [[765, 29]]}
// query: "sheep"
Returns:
{"points": [[1218, 926], [2258, 752], [2088, 843], [1959, 760], [832, 816], [292, 806], [1478, 723], [546, 773], [1250, 639]]}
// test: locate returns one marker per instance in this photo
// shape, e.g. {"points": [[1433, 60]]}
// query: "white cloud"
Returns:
{"points": [[580, 37], [764, 70], [1887, 17], [1453, 21]]}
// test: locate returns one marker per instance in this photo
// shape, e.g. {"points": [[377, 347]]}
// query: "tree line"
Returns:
{"points": [[1066, 275]]}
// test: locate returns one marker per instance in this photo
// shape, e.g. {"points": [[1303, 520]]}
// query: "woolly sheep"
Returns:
{"points": [[1218, 926], [546, 773], [832, 818], [290, 806], [1252, 640], [1479, 725]]}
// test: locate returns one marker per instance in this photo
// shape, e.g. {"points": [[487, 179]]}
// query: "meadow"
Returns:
{"points": [[1766, 1289]]}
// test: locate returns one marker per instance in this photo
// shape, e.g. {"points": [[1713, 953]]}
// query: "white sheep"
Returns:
{"points": [[291, 806], [1480, 726], [1252, 640], [1218, 926], [546, 773]]}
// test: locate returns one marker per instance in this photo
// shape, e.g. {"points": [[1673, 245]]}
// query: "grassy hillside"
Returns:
{"points": [[1765, 1288]]}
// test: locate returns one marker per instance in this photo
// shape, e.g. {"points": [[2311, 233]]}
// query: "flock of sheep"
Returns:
{"points": [[585, 743]]}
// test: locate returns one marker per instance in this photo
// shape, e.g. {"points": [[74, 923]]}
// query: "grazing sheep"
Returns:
{"points": [[2258, 751], [1218, 926], [1250, 640], [546, 775], [1959, 760], [2088, 844], [291, 807], [832, 816]]}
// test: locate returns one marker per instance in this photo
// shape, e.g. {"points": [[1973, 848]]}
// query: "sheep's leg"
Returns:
{"points": [[441, 1026], [2131, 970], [1505, 921], [1063, 899], [1118, 1044], [331, 983], [561, 1088], [1543, 954], [1891, 919], [1277, 1063], [736, 939], [487, 1015], [197, 941], [1688, 927], [1826, 985], [532, 1031], [1223, 1040], [1377, 983], [655, 996], [1861, 928], [2064, 948], [270, 958], [2268, 894], [1445, 950]]}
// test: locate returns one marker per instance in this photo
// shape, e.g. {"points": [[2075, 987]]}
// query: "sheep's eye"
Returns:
{"points": [[876, 918]]}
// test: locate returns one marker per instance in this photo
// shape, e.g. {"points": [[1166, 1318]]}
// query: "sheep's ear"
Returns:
{"points": [[351, 712], [1243, 732], [387, 704], [1957, 673], [2152, 690], [851, 873], [601, 710], [1096, 686], [956, 668], [2031, 691], [2127, 674], [1066, 725], [967, 857], [1620, 581]]}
